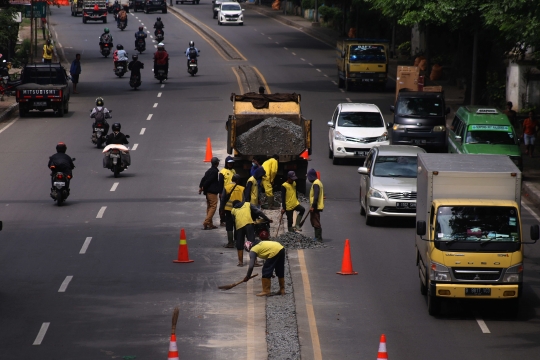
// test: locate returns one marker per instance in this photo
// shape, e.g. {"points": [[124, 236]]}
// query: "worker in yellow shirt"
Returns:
{"points": [[231, 192], [271, 168], [290, 203], [274, 255], [251, 192], [224, 178], [316, 201], [48, 52]]}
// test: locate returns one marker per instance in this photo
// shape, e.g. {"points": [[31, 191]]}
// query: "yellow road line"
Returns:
{"points": [[317, 354], [262, 79], [239, 80]]}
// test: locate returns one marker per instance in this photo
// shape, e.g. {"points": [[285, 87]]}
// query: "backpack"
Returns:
{"points": [[192, 53], [106, 38], [99, 116]]}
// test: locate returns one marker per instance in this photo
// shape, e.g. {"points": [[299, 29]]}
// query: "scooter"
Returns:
{"points": [[135, 81], [116, 158], [141, 45], [161, 73], [192, 67], [160, 36], [100, 132], [106, 49], [121, 68], [122, 24], [60, 188]]}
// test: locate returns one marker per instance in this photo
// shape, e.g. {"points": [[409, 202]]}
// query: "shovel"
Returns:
{"points": [[304, 219], [279, 225], [229, 287]]}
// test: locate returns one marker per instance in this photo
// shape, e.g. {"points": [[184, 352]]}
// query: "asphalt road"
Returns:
{"points": [[124, 286]]}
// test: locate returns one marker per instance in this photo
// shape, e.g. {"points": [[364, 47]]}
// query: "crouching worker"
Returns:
{"points": [[274, 255], [244, 214]]}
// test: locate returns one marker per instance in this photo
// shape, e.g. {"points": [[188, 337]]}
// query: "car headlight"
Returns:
{"points": [[383, 137], [439, 272], [339, 136], [398, 127], [374, 193], [439, 128], [514, 274]]}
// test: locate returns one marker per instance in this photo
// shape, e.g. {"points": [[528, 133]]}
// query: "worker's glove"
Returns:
{"points": [[246, 279]]}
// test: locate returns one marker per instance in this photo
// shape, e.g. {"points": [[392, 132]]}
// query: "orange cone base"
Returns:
{"points": [[349, 273], [185, 261], [173, 349]]}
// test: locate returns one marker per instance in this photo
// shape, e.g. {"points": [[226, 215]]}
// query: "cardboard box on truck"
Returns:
{"points": [[407, 78]]}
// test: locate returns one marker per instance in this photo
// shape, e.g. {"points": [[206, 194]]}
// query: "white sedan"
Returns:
{"points": [[230, 13]]}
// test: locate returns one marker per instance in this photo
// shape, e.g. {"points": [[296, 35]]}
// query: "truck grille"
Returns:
{"points": [[417, 130], [362, 140], [477, 274], [392, 209], [401, 195]]}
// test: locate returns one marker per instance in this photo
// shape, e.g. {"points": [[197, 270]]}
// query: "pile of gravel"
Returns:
{"points": [[296, 240], [281, 326], [301, 197], [272, 136]]}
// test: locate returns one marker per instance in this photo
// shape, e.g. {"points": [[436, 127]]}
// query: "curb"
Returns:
{"points": [[10, 110]]}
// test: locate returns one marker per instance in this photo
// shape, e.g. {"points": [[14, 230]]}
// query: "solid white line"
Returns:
{"points": [[142, 131], [100, 212], [294, 54], [349, 100], [483, 326], [135, 146], [115, 185], [149, 117], [65, 283], [85, 245], [162, 86], [527, 208], [155, 105], [41, 333], [8, 125], [159, 95]]}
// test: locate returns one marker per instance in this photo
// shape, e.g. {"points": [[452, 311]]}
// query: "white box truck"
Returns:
{"points": [[469, 239]]}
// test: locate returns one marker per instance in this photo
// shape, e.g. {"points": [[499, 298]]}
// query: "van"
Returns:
{"points": [[481, 130], [420, 119]]}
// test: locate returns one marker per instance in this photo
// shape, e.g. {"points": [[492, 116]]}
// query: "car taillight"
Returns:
{"points": [[59, 176], [69, 176], [98, 125], [115, 151]]}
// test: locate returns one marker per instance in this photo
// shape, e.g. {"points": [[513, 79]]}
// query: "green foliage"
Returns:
{"points": [[330, 14], [495, 90], [308, 4], [9, 28], [23, 52], [404, 48]]}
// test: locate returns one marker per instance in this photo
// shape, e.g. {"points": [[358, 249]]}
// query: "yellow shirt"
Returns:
{"points": [[45, 55], [242, 216], [227, 175], [254, 191], [291, 201], [267, 249], [320, 203], [237, 194], [271, 167]]}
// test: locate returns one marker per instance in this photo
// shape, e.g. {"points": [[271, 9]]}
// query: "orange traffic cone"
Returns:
{"points": [[208, 156], [318, 175], [183, 255], [346, 263], [173, 349], [382, 355], [305, 155]]}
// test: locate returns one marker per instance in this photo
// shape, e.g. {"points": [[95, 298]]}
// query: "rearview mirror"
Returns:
{"points": [[331, 124], [363, 170], [127, 136], [458, 138], [420, 228], [392, 108]]}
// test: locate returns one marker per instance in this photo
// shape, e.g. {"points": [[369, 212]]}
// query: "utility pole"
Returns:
{"points": [[315, 16]]}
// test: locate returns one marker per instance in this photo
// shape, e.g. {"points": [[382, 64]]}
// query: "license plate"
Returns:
{"points": [[406, 205], [420, 141], [58, 183], [40, 103], [360, 153], [98, 130], [477, 291], [192, 64], [115, 155], [367, 80]]}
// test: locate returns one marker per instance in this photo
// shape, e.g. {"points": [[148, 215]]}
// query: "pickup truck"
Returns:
{"points": [[89, 14], [43, 86]]}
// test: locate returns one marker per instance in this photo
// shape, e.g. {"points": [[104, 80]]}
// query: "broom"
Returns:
{"points": [[228, 287], [174, 320]]}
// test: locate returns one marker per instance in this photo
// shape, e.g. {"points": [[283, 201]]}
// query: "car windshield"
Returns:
{"points": [[420, 107], [477, 224], [230, 7], [360, 119], [395, 166], [490, 134], [367, 54]]}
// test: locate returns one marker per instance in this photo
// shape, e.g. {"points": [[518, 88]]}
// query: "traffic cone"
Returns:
{"points": [[318, 175], [305, 155], [208, 156], [382, 355], [346, 263], [183, 255], [173, 349]]}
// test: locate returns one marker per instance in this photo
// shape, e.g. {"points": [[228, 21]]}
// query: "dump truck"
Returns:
{"points": [[469, 239], [362, 62], [249, 112], [89, 14]]}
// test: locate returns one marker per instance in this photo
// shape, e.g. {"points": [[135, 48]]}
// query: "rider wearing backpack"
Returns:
{"points": [[105, 38], [100, 113], [192, 52]]}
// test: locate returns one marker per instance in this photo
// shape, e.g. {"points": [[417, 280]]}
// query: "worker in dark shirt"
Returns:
{"points": [[209, 185]]}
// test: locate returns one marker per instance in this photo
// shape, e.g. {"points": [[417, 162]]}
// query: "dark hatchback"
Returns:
{"points": [[153, 5]]}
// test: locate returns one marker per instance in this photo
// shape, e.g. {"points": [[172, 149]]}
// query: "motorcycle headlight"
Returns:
{"points": [[398, 127], [439, 128], [374, 193], [383, 137], [339, 136], [438, 272], [514, 274]]}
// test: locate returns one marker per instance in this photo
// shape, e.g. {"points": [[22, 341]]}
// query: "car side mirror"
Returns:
{"points": [[127, 136], [458, 138], [362, 170], [535, 232], [392, 108], [421, 228], [330, 124], [389, 125]]}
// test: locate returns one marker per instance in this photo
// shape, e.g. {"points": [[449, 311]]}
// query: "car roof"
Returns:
{"points": [[420, 94], [482, 115], [398, 150], [359, 107], [230, 3]]}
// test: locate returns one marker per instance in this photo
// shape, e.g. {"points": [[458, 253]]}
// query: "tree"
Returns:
{"points": [[9, 28]]}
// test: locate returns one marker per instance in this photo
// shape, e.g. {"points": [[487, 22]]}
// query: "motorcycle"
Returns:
{"points": [[60, 188], [99, 133], [160, 36], [141, 45], [135, 81], [116, 158], [7, 86], [121, 68], [122, 24], [106, 49], [161, 73], [192, 67]]}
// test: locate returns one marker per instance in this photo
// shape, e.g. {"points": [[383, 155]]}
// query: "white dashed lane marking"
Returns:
{"points": [[335, 83], [348, 99], [286, 48], [149, 117], [101, 212], [302, 59], [41, 333], [162, 86], [151, 37], [159, 94], [85, 245], [115, 185], [135, 146], [318, 70], [310, 64], [142, 131], [294, 54], [483, 326], [65, 283], [155, 105]]}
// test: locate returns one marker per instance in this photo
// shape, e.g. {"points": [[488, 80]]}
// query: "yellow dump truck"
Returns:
{"points": [[362, 62], [288, 135]]}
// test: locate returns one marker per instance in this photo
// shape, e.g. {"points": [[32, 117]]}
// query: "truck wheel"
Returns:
{"points": [[369, 219], [434, 305], [105, 20], [164, 11], [22, 111], [61, 111], [340, 83], [347, 85], [66, 107], [330, 153], [423, 288], [511, 307], [84, 20], [336, 161]]}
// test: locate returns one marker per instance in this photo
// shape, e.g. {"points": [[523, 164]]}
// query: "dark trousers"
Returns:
{"points": [[276, 263], [315, 218], [248, 232], [301, 210], [229, 222]]}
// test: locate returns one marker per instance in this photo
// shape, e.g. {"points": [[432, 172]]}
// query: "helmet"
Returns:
{"points": [[106, 30], [116, 2], [99, 101], [160, 45], [248, 245], [214, 161], [61, 147], [191, 44], [116, 127], [135, 57], [119, 47], [158, 19], [141, 28], [48, 41]]}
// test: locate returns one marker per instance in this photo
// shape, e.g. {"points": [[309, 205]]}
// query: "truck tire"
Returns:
{"points": [[105, 20], [369, 219], [164, 11], [22, 111], [340, 83], [61, 111], [330, 153], [84, 20], [434, 305], [66, 107], [347, 85], [423, 288]]}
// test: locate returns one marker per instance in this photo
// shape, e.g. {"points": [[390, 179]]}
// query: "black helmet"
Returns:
{"points": [[61, 147], [99, 101], [119, 47], [106, 30], [214, 161], [141, 28], [135, 57], [191, 44], [116, 2], [158, 19], [116, 127]]}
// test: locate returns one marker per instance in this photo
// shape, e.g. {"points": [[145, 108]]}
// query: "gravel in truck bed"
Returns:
{"points": [[272, 136]]}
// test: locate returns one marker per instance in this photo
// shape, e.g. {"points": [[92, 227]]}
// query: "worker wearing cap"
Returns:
{"points": [[271, 168], [48, 52], [209, 185], [244, 214], [274, 255], [316, 201], [231, 192], [290, 203], [251, 192], [225, 177]]}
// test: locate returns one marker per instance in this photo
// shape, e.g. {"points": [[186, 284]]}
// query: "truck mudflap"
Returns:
{"points": [[476, 291]]}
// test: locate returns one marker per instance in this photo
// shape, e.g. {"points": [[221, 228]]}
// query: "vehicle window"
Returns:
{"points": [[228, 7], [369, 160], [367, 54], [455, 123], [458, 128], [477, 223], [462, 129], [395, 166], [334, 117], [44, 76], [490, 134], [360, 119], [420, 107]]}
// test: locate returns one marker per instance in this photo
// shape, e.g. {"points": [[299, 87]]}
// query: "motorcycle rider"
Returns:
{"points": [[161, 60], [61, 163], [135, 66], [116, 9], [140, 34], [100, 113], [192, 52], [116, 137], [105, 38], [122, 16], [158, 25], [119, 55]]}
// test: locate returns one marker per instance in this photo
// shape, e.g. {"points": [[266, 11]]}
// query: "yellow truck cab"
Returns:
{"points": [[469, 239], [362, 61]]}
